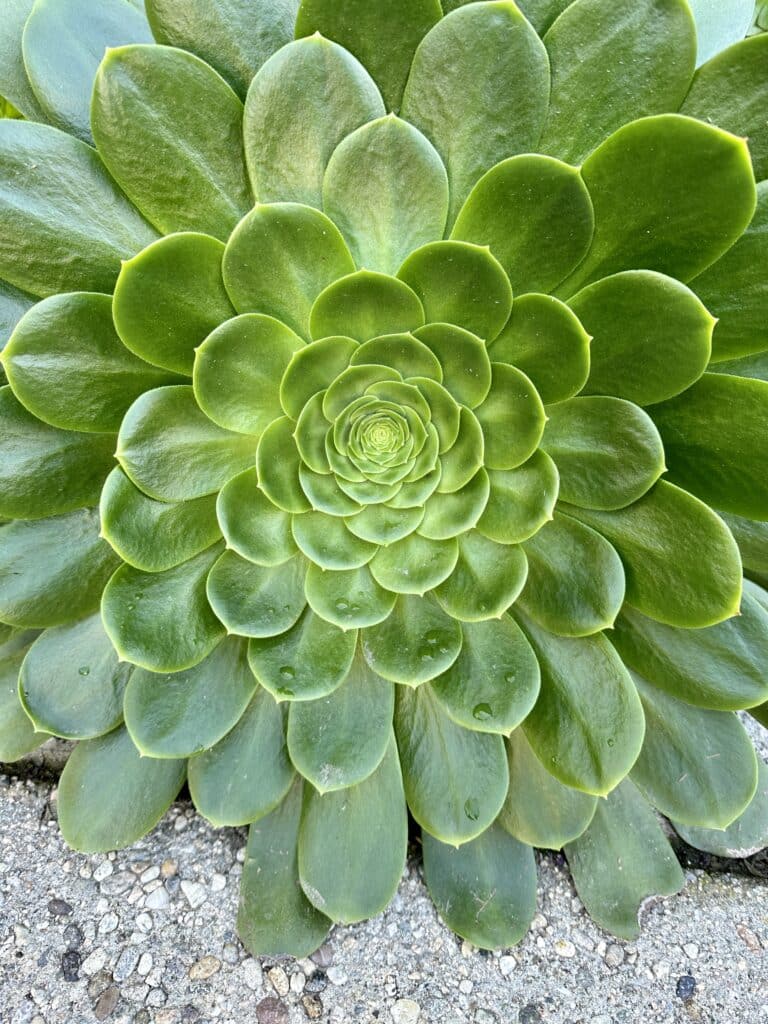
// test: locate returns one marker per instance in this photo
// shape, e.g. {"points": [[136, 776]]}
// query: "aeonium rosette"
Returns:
{"points": [[358, 463]]}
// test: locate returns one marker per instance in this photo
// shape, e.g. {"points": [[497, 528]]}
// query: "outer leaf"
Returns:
{"points": [[621, 860], [274, 916], [253, 600], [575, 584], [110, 796], [235, 38], [307, 662], [13, 305], [607, 451], [607, 71], [64, 224], [494, 682], [455, 778], [71, 682], [493, 74], [718, 25], [305, 99], [252, 525], [169, 298], [280, 258], [540, 13], [162, 621], [731, 90], [696, 766], [14, 83], [660, 540], [747, 835], [158, 116], [63, 43], [181, 714], [17, 734], [539, 810], [486, 889], [52, 571], [675, 213], [651, 336], [350, 599], [352, 843], [173, 452], [382, 38], [451, 515], [722, 667], [365, 305], [545, 340], [45, 471], [752, 539], [710, 451], [328, 543], [587, 726], [154, 535], [387, 189], [416, 642], [247, 773], [536, 215], [49, 350], [521, 500], [340, 739], [487, 579]]}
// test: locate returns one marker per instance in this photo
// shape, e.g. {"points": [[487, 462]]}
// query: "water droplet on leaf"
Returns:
{"points": [[482, 712]]}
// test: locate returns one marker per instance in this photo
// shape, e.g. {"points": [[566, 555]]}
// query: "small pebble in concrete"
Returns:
{"points": [[271, 1011], [195, 893], [405, 1011], [614, 955], [70, 965], [530, 1014], [317, 982], [205, 967], [323, 956], [106, 1002], [279, 980], [313, 1007], [691, 950], [564, 947], [507, 965], [158, 899], [59, 908], [686, 987], [337, 976], [252, 974]]}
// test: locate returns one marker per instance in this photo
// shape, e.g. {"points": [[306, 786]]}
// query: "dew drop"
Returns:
{"points": [[611, 742], [433, 637], [482, 712], [284, 691], [342, 605], [472, 808], [84, 670], [509, 677], [287, 672]]}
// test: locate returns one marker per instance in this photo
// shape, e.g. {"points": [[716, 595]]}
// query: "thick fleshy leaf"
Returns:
{"points": [[64, 224], [485, 890], [697, 766], [587, 726], [747, 835], [71, 681], [387, 190], [109, 795], [731, 91], [536, 215], [651, 336], [154, 535], [487, 579], [350, 599], [278, 260], [158, 116], [455, 778], [45, 471], [752, 539], [274, 916], [338, 740], [328, 543], [521, 500], [381, 524], [233, 37], [540, 13], [173, 452], [722, 667], [575, 584], [277, 466], [450, 515], [247, 773], [607, 451], [383, 38], [718, 24], [493, 73], [352, 843], [736, 290], [754, 366], [308, 661], [675, 213], [660, 540], [63, 43], [51, 346], [716, 441], [416, 642], [545, 340], [256, 600], [52, 571], [464, 361], [401, 352], [494, 682], [462, 284], [184, 713], [238, 370], [621, 860], [14, 83], [415, 564], [305, 99], [512, 417], [311, 370], [13, 305], [17, 734], [251, 524], [365, 305], [540, 810], [169, 298], [607, 71], [162, 621]]}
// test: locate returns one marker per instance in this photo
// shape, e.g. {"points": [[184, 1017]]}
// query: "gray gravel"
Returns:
{"points": [[146, 936]]}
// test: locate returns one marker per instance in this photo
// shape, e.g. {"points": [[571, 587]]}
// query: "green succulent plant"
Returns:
{"points": [[386, 431]]}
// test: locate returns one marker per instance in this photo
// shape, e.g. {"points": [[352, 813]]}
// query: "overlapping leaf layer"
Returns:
{"points": [[385, 430]]}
